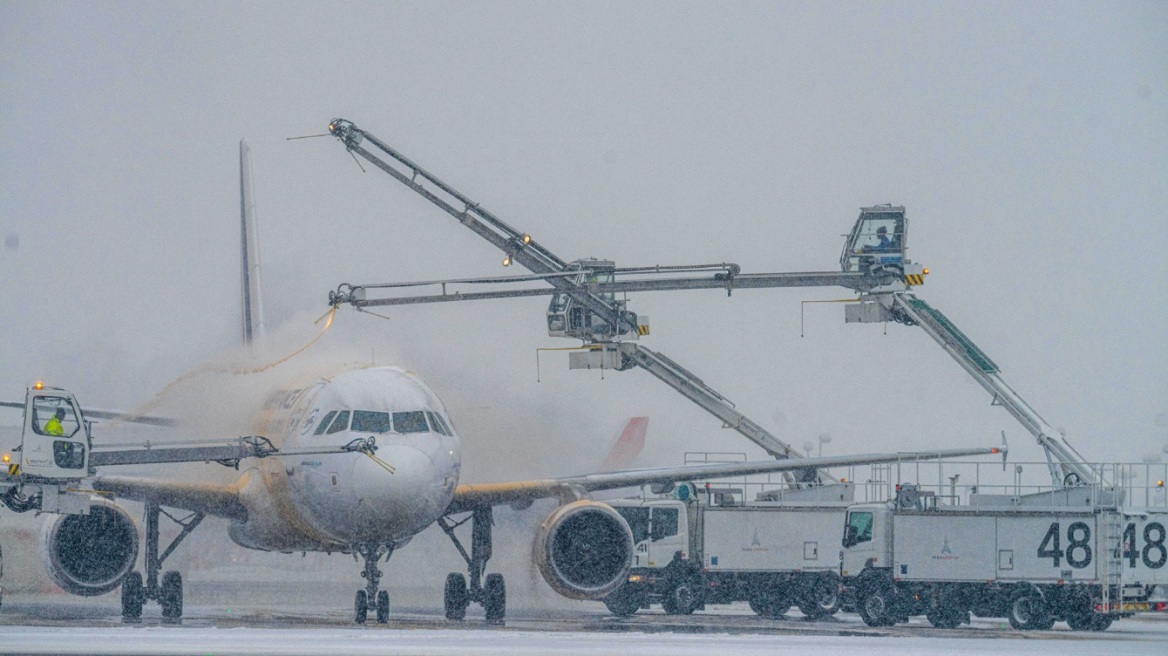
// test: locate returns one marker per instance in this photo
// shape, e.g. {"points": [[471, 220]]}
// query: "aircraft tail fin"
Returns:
{"points": [[251, 300], [628, 445]]}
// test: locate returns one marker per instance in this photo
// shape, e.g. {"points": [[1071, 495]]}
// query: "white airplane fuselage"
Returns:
{"points": [[335, 501]]}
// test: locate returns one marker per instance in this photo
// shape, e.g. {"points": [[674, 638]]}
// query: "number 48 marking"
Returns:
{"points": [[1152, 546], [1078, 552]]}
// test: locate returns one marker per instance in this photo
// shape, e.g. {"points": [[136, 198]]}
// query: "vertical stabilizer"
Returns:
{"points": [[251, 300]]}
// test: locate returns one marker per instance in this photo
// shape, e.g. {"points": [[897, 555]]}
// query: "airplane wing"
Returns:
{"points": [[467, 497], [214, 500]]}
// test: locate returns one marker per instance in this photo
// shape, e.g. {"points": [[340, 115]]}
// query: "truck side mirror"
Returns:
{"points": [[849, 536]]}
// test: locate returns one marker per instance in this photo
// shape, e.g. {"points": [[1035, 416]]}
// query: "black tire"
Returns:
{"points": [[170, 597], [1102, 622], [455, 597], [876, 606], [133, 597], [822, 599], [1027, 611], [947, 617], [360, 607], [495, 598], [383, 607], [770, 605], [681, 600], [622, 603]]}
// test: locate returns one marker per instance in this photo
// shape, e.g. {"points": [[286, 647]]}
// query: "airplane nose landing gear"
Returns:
{"points": [[372, 552]]}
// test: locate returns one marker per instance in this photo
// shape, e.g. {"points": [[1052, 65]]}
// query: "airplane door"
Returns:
{"points": [[55, 442]]}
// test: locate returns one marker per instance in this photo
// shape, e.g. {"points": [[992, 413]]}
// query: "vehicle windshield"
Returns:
{"points": [[638, 519], [53, 416], [862, 522]]}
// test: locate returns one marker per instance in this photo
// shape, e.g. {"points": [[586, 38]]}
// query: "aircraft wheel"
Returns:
{"points": [[360, 607], [495, 598], [455, 597], [382, 607], [170, 597], [133, 597]]}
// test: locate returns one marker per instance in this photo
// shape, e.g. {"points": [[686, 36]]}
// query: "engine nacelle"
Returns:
{"points": [[584, 550], [89, 555]]}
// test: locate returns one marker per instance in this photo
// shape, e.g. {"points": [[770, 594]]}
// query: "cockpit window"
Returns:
{"points": [[445, 426], [340, 423], [325, 422], [436, 422], [410, 422], [365, 421]]}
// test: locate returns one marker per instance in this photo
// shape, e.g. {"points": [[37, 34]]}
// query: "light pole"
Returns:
{"points": [[824, 438]]}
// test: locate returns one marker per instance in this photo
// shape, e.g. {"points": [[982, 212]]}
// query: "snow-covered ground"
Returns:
{"points": [[341, 642]]}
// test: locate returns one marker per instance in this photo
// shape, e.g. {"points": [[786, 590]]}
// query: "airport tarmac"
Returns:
{"points": [[54, 624]]}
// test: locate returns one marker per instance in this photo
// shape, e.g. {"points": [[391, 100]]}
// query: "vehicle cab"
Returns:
{"points": [[55, 438], [867, 541], [878, 244]]}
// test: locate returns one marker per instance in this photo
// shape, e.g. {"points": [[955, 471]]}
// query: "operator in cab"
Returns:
{"points": [[884, 243], [53, 425]]}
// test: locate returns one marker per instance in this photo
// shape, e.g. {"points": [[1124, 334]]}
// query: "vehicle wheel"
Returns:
{"points": [[622, 603], [495, 598], [947, 617], [455, 597], [170, 597], [383, 607], [681, 600], [770, 605], [1101, 622], [1028, 612], [875, 606], [822, 599], [133, 597], [360, 607]]}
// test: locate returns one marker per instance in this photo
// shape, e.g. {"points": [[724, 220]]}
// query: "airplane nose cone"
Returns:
{"points": [[394, 492]]}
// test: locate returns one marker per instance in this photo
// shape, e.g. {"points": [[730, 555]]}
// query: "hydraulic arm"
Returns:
{"points": [[584, 303]]}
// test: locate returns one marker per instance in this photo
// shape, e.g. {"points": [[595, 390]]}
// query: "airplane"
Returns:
{"points": [[370, 504]]}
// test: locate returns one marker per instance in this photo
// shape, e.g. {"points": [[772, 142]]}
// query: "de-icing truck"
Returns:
{"points": [[1087, 554], [698, 545]]}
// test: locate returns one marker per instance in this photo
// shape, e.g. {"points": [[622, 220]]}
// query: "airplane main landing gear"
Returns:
{"points": [[380, 599], [168, 594], [492, 593]]}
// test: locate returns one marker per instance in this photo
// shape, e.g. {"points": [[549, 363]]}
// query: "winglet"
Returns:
{"points": [[628, 446]]}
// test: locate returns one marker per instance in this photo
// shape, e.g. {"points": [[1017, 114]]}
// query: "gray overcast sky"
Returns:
{"points": [[1029, 142]]}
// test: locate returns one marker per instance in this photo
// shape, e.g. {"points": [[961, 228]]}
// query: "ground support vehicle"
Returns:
{"points": [[696, 546], [1078, 555]]}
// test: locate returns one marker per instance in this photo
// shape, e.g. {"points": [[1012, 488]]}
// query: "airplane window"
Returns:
{"points": [[365, 421], [410, 422], [325, 422], [340, 423], [435, 423]]}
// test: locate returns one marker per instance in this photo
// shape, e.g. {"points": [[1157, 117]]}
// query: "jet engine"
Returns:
{"points": [[89, 555], [584, 550]]}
